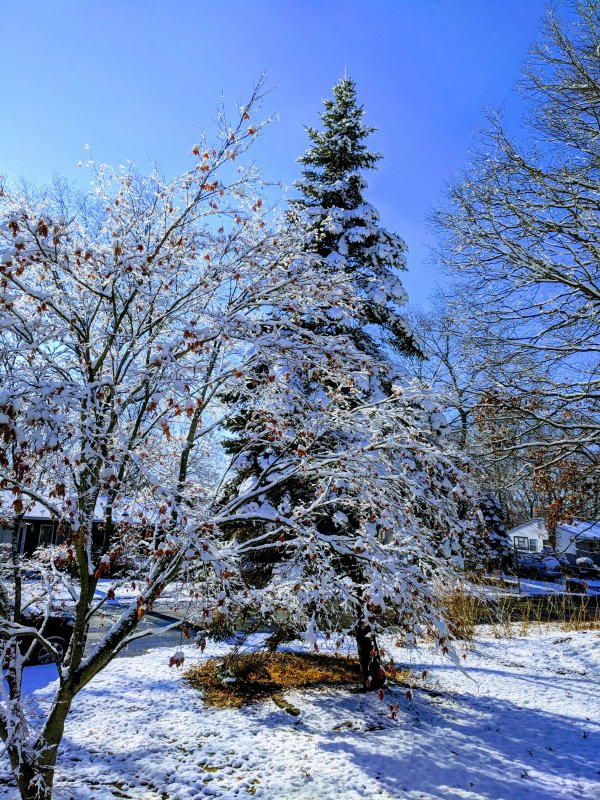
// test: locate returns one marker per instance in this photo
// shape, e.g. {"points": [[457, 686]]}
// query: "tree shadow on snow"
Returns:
{"points": [[448, 745], [456, 745]]}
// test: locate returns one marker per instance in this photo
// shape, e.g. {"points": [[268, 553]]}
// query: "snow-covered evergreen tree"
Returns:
{"points": [[496, 543], [345, 228], [364, 328]]}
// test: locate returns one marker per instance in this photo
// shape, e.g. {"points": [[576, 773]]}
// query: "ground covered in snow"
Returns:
{"points": [[522, 722]]}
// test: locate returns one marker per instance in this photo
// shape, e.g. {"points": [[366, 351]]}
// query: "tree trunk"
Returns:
{"points": [[464, 428], [37, 791], [25, 781], [35, 778], [31, 780], [373, 674]]}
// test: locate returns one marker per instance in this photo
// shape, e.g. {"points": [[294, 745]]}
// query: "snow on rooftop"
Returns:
{"points": [[32, 508], [582, 529], [127, 511]]}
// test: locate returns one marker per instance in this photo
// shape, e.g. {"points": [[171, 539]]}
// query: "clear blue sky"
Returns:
{"points": [[138, 78]]}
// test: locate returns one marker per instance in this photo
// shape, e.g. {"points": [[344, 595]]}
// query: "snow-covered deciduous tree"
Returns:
{"points": [[119, 324], [464, 366], [122, 324], [132, 330], [522, 231], [452, 366]]}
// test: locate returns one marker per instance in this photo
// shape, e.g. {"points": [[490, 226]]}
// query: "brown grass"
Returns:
{"points": [[510, 615], [461, 613], [261, 676]]}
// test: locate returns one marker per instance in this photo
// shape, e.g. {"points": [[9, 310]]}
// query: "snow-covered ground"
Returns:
{"points": [[523, 723]]}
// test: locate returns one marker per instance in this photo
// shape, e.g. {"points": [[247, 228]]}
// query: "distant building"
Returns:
{"points": [[573, 540], [36, 529], [579, 539], [39, 528], [530, 536]]}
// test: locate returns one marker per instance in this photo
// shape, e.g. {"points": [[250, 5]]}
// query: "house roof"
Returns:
{"points": [[538, 522], [582, 529], [129, 511]]}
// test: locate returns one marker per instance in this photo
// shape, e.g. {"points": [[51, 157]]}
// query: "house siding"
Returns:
{"points": [[534, 532]]}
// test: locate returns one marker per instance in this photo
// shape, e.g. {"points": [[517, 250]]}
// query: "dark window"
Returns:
{"points": [[46, 535], [522, 543]]}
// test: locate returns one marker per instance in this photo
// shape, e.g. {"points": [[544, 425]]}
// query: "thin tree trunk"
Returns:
{"points": [[49, 742], [464, 428], [35, 777], [373, 674]]}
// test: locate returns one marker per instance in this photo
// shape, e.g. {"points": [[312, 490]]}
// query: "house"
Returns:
{"points": [[573, 540], [530, 536], [38, 528], [578, 539]]}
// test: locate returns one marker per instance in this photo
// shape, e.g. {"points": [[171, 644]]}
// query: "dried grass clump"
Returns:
{"points": [[516, 615], [462, 614], [243, 678]]}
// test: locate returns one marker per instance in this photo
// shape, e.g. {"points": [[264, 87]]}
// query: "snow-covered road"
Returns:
{"points": [[523, 723]]}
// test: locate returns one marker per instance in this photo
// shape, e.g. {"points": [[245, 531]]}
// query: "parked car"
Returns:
{"points": [[57, 630], [539, 566], [587, 569], [583, 569]]}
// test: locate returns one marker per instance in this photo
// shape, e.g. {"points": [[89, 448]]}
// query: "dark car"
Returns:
{"points": [[583, 569], [539, 566], [587, 569], [57, 629]]}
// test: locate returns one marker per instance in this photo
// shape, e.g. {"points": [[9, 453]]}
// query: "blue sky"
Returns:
{"points": [[138, 78]]}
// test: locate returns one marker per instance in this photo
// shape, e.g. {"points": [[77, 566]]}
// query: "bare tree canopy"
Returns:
{"points": [[522, 232]]}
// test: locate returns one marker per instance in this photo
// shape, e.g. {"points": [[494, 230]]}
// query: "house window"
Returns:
{"points": [[521, 543], [46, 535], [5, 535], [533, 545]]}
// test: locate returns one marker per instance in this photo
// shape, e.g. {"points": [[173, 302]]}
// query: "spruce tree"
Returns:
{"points": [[343, 232], [496, 545], [345, 227]]}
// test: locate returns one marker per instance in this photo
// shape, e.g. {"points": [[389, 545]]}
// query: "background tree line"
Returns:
{"points": [[513, 338]]}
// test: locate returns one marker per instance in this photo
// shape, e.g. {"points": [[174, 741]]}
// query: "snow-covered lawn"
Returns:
{"points": [[523, 724]]}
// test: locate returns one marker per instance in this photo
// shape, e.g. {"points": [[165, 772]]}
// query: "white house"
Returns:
{"points": [[574, 540], [530, 536]]}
